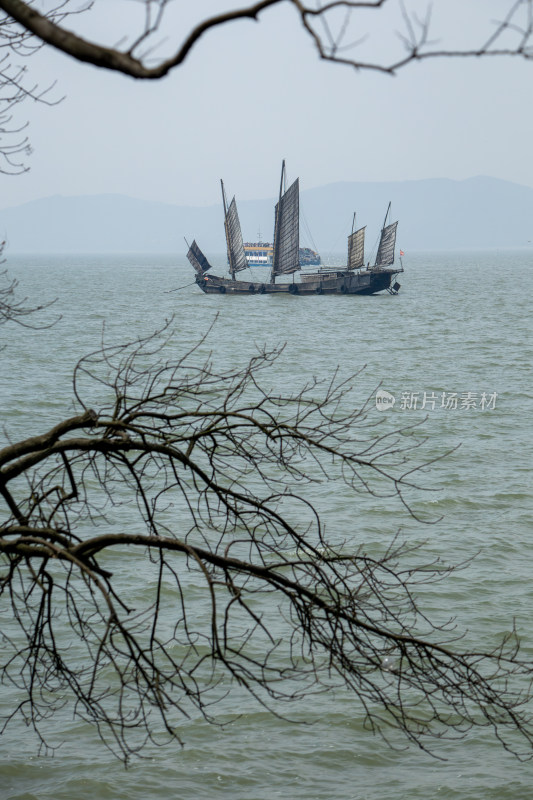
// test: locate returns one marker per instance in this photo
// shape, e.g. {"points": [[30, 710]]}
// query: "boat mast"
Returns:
{"points": [[276, 226], [386, 215], [350, 241], [230, 258]]}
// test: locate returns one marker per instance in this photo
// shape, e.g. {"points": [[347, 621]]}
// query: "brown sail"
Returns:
{"points": [[197, 259], [286, 256], [387, 242], [236, 254], [356, 249]]}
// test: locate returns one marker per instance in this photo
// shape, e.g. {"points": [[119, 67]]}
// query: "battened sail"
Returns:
{"points": [[236, 254], [197, 259], [286, 256], [385, 256], [356, 249]]}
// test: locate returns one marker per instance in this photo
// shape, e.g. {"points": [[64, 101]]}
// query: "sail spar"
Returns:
{"points": [[286, 257], [236, 254], [197, 259], [385, 256], [356, 249]]}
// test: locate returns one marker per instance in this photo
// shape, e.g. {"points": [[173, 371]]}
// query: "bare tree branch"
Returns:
{"points": [[23, 30], [204, 480], [122, 61], [517, 21], [16, 309], [18, 43]]}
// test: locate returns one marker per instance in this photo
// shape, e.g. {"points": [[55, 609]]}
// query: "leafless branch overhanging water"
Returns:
{"points": [[201, 481]]}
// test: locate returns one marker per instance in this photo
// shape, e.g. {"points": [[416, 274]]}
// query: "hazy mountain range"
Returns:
{"points": [[436, 214]]}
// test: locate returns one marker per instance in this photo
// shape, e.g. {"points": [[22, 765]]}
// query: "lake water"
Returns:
{"points": [[460, 325]]}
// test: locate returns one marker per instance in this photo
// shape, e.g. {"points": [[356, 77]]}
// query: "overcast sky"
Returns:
{"points": [[251, 94]]}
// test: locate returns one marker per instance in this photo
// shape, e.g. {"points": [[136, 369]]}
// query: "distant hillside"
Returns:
{"points": [[437, 214]]}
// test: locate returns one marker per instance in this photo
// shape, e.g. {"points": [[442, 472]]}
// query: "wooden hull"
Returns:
{"points": [[342, 282]]}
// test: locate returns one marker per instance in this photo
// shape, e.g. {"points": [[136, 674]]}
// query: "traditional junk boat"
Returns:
{"points": [[352, 279]]}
